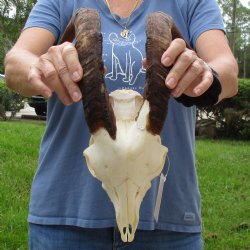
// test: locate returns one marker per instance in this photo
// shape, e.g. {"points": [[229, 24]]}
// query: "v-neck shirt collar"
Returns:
{"points": [[138, 11]]}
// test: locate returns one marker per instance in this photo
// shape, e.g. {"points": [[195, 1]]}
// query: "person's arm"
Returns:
{"points": [[212, 47], [191, 75], [34, 66]]}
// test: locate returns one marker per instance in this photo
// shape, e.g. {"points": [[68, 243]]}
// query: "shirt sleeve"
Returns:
{"points": [[203, 15], [45, 14]]}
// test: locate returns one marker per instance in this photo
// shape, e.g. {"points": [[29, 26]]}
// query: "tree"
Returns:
{"points": [[233, 25], [13, 15], [237, 21]]}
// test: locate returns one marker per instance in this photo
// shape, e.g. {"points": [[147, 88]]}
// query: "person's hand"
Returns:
{"points": [[57, 71], [189, 74]]}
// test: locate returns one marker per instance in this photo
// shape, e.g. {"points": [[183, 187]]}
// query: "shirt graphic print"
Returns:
{"points": [[126, 59]]}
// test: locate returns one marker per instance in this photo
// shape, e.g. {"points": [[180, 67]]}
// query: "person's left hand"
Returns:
{"points": [[189, 74]]}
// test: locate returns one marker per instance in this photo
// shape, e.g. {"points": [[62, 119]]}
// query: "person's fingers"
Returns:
{"points": [[207, 80], [58, 70], [70, 57], [193, 72], [34, 77], [105, 70], [64, 75], [144, 63], [179, 68], [176, 47], [51, 78]]}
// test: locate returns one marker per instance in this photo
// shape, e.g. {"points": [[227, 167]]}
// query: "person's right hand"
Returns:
{"points": [[58, 71]]}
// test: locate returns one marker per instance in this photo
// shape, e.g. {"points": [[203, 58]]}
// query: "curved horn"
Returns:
{"points": [[85, 25], [160, 30]]}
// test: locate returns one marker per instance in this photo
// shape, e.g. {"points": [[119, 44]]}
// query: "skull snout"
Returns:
{"points": [[127, 234]]}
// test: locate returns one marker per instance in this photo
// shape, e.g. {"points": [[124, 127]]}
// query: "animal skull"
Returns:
{"points": [[125, 151], [126, 165]]}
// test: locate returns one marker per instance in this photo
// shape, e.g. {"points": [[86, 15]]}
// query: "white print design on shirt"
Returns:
{"points": [[125, 49]]}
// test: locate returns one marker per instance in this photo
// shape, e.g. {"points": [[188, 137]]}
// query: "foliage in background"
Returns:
{"points": [[9, 101], [228, 119], [13, 15], [237, 21]]}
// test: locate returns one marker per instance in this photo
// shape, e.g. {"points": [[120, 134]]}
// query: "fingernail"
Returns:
{"points": [[198, 92], [76, 76], [166, 61], [47, 94], [170, 83], [76, 96]]}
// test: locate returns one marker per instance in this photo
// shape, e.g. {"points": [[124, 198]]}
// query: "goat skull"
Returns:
{"points": [[126, 165], [125, 151]]}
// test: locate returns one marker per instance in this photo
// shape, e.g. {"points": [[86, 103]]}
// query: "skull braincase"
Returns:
{"points": [[126, 165]]}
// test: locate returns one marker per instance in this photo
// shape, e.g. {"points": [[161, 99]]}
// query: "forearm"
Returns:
{"points": [[219, 57], [228, 76], [17, 66]]}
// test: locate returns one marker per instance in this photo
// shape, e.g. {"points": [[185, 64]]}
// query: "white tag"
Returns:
{"points": [[159, 196], [160, 192]]}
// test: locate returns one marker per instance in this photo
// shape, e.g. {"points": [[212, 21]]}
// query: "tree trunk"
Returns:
{"points": [[245, 62], [233, 41]]}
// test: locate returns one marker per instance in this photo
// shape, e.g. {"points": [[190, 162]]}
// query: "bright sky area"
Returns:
{"points": [[246, 3]]}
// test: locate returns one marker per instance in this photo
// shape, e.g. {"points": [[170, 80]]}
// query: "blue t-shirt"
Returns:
{"points": [[63, 191]]}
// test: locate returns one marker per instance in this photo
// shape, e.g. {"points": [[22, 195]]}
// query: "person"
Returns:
{"points": [[68, 207]]}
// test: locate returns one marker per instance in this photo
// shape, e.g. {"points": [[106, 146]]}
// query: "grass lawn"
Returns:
{"points": [[224, 177]]}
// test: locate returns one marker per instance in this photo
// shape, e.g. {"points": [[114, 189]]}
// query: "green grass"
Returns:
{"points": [[223, 170], [19, 145], [224, 177]]}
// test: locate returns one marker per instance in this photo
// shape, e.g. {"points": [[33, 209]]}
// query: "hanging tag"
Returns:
{"points": [[160, 192], [159, 196]]}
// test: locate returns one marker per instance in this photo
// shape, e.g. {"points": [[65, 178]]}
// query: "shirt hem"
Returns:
{"points": [[143, 225]]}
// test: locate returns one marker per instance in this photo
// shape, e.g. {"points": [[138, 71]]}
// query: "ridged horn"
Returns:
{"points": [[85, 25], [159, 37]]}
